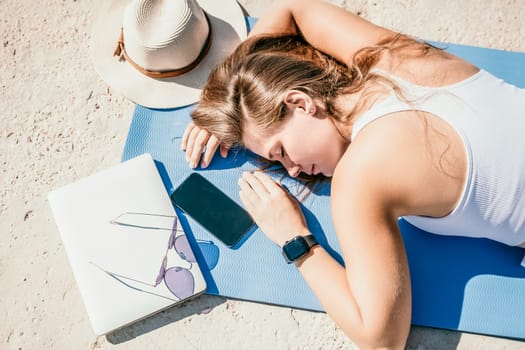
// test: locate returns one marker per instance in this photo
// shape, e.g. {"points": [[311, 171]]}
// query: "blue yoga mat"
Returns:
{"points": [[465, 284]]}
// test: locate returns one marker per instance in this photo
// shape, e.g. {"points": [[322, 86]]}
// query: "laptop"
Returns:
{"points": [[129, 254]]}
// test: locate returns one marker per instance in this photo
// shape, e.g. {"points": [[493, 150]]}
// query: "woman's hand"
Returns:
{"points": [[274, 210], [197, 143]]}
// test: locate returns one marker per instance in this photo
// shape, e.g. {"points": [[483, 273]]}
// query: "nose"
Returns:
{"points": [[293, 169], [294, 172]]}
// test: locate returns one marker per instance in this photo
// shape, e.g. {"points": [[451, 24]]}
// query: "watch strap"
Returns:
{"points": [[310, 241]]}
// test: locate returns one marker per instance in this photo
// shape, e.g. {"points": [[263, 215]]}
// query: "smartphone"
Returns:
{"points": [[212, 209]]}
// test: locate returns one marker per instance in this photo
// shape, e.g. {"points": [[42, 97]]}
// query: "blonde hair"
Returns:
{"points": [[251, 82], [250, 85]]}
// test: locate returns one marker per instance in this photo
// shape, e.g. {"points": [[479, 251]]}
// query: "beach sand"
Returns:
{"points": [[61, 123]]}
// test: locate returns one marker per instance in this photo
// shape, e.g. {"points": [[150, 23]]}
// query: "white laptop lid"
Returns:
{"points": [[128, 253]]}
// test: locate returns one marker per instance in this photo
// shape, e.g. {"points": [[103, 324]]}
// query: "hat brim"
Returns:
{"points": [[228, 26]]}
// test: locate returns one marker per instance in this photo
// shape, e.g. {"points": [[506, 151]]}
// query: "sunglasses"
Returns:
{"points": [[178, 280]]}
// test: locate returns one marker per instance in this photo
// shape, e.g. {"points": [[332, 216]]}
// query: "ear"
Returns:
{"points": [[298, 99]]}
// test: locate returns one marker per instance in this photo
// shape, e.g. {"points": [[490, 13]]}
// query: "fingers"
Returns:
{"points": [[185, 136], [196, 144], [268, 183], [248, 196], [200, 145], [254, 183], [258, 187], [224, 149], [211, 147]]}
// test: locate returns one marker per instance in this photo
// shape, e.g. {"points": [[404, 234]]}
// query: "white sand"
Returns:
{"points": [[62, 123]]}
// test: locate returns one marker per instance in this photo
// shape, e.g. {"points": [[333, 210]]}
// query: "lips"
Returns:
{"points": [[312, 170]]}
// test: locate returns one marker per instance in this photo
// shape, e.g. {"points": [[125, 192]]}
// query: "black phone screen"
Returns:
{"points": [[212, 209]]}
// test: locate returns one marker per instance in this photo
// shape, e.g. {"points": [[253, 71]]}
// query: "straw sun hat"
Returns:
{"points": [[158, 53]]}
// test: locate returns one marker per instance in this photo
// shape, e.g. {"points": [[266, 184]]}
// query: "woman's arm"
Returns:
{"points": [[383, 175], [325, 26], [370, 299], [366, 202]]}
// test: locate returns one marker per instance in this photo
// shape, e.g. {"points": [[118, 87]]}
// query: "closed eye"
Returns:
{"points": [[281, 153]]}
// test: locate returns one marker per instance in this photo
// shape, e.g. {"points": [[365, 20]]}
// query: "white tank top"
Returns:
{"points": [[489, 116]]}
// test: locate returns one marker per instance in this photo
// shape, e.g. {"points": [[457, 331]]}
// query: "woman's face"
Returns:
{"points": [[304, 143]]}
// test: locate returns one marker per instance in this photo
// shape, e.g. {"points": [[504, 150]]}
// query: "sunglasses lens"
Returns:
{"points": [[180, 282], [183, 248]]}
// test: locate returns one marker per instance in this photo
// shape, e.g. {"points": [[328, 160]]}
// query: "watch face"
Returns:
{"points": [[295, 248]]}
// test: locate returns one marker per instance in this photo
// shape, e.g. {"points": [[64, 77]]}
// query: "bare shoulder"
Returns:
{"points": [[410, 162]]}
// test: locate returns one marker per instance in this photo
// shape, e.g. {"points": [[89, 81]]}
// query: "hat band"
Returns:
{"points": [[120, 51]]}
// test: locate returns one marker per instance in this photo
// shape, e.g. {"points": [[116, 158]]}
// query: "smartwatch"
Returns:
{"points": [[298, 247]]}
